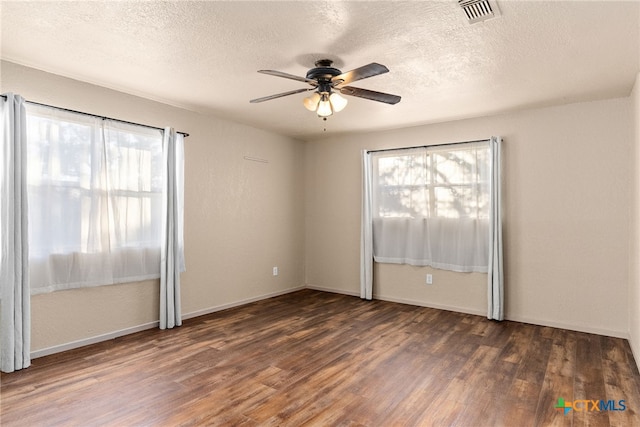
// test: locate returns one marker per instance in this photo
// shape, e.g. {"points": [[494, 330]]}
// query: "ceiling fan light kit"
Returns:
{"points": [[311, 102], [327, 83], [325, 104], [338, 102]]}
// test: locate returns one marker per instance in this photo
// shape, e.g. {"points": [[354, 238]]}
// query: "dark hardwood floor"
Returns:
{"points": [[321, 359]]}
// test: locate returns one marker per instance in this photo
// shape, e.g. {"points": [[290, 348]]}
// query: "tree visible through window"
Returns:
{"points": [[430, 206], [447, 182]]}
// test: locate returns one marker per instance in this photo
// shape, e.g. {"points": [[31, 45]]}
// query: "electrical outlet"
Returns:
{"points": [[275, 271], [429, 279]]}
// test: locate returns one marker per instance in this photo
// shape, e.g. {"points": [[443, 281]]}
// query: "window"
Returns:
{"points": [[95, 194], [445, 182], [430, 206]]}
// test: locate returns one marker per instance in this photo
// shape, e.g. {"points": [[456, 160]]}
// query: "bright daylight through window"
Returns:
{"points": [[95, 194], [431, 206]]}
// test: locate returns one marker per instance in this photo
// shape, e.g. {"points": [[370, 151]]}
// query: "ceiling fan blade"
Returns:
{"points": [[360, 73], [288, 76], [280, 95], [387, 98]]}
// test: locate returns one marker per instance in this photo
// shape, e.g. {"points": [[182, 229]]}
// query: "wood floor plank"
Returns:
{"points": [[318, 359], [589, 380], [618, 371]]}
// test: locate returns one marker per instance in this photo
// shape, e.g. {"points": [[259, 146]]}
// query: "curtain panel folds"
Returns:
{"points": [[455, 244], [366, 244], [495, 273], [95, 196], [171, 249], [122, 154], [15, 309], [437, 206]]}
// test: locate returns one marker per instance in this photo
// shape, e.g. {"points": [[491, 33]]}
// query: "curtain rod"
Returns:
{"points": [[427, 146], [96, 115]]}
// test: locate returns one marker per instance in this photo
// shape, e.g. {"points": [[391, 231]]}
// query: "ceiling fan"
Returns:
{"points": [[327, 83]]}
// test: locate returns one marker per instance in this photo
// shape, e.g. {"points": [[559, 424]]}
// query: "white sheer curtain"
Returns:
{"points": [[366, 244], [436, 206], [15, 311], [172, 258], [430, 206], [456, 244], [95, 195], [496, 274]]}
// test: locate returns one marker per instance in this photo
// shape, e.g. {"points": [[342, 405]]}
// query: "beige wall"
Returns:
{"points": [[567, 217], [241, 217], [566, 223], [634, 252]]}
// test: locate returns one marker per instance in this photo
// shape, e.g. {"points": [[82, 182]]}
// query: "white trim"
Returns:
{"points": [[333, 291], [402, 301], [465, 310], [480, 312], [569, 327], [115, 334], [92, 340], [239, 303]]}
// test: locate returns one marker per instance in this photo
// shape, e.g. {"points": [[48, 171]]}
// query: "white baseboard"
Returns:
{"points": [[401, 300], [465, 310], [538, 322], [115, 334], [333, 291], [92, 340], [570, 327], [241, 302]]}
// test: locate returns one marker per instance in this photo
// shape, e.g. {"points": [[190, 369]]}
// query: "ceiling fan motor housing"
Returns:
{"points": [[323, 73]]}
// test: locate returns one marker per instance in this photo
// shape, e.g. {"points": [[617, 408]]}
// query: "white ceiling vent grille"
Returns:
{"points": [[479, 10]]}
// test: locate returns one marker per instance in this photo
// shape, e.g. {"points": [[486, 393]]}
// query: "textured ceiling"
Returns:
{"points": [[204, 56]]}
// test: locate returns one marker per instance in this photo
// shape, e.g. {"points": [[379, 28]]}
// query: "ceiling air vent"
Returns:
{"points": [[479, 10]]}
